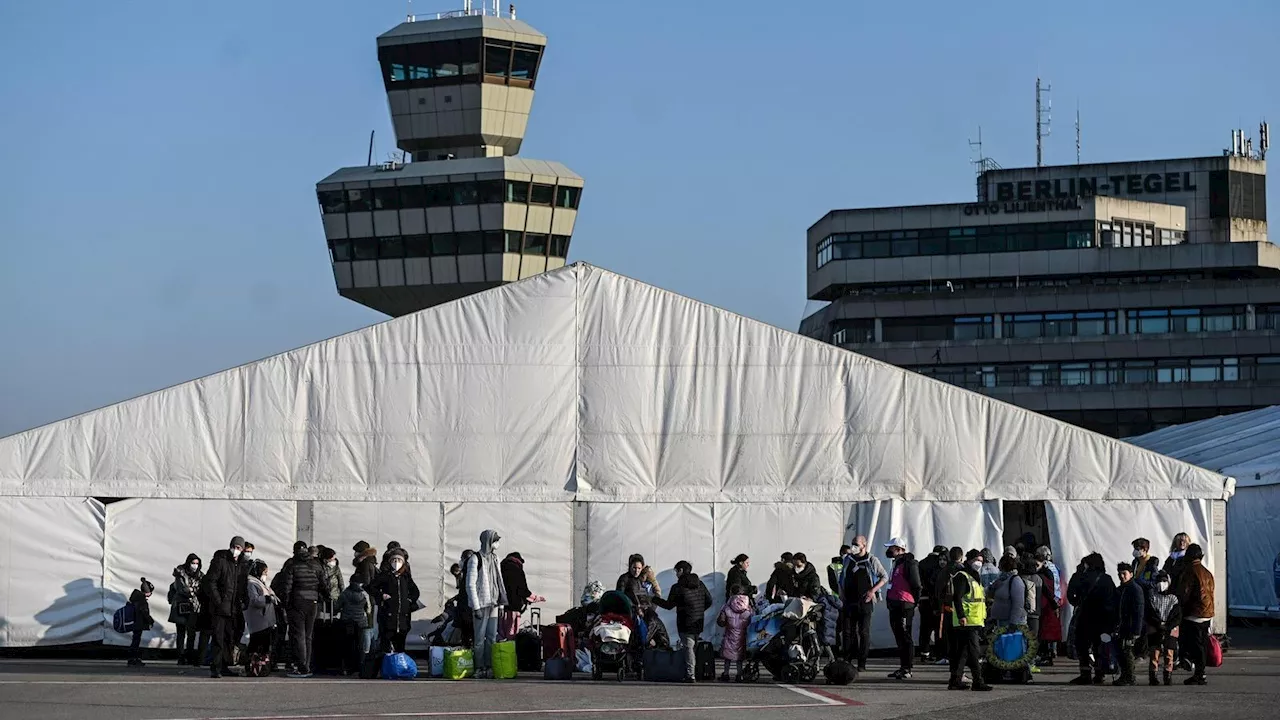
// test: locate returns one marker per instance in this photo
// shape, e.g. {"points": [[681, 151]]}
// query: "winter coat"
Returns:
{"points": [[782, 581], [1144, 572], [219, 585], [516, 585], [904, 579], [738, 576], [303, 580], [395, 610], [485, 587], [260, 609], [333, 577], [807, 583], [1174, 566], [831, 607], [354, 606], [366, 567], [737, 617], [929, 569], [1195, 590], [1163, 615], [1009, 601], [690, 599], [141, 610], [185, 590], [636, 590], [1131, 601], [1094, 599], [861, 573], [1054, 582], [242, 582]]}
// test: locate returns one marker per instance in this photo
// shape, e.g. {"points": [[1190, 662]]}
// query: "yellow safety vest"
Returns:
{"points": [[973, 604]]}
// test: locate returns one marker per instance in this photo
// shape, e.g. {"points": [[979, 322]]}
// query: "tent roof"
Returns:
{"points": [[580, 384], [1244, 445]]}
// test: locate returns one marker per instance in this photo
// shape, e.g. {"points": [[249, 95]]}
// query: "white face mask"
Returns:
{"points": [[976, 565], [396, 565], [235, 553], [1137, 553], [1163, 586], [195, 567], [248, 554], [333, 563]]}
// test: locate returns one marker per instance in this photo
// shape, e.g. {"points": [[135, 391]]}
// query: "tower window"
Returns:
{"points": [[439, 195], [332, 201], [524, 62], [465, 193], [535, 244], [513, 241], [567, 197], [559, 246], [541, 194], [358, 201], [469, 243], [491, 191], [497, 58], [386, 198], [517, 191]]}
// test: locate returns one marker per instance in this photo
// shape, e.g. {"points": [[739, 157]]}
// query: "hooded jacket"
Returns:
{"points": [[142, 606], [219, 584], [366, 566], [1009, 601], [516, 585], [690, 599], [1164, 613], [1094, 599], [185, 591], [333, 581], [356, 607], [395, 610], [807, 583], [929, 569], [738, 576], [737, 617], [303, 580], [485, 587]]}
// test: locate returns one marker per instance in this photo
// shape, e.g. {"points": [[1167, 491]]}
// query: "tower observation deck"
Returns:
{"points": [[464, 214]]}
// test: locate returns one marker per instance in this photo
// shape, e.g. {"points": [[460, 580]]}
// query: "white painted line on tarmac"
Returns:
{"points": [[820, 695]]}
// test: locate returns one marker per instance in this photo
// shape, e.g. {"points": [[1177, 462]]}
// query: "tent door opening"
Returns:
{"points": [[1022, 519]]}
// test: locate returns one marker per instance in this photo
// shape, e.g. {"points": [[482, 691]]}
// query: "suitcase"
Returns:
{"points": [[329, 642], [558, 640], [704, 663], [664, 665], [558, 668], [529, 643], [371, 668]]}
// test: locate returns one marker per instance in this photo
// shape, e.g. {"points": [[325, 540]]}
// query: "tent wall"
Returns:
{"points": [[51, 571], [1079, 528], [1255, 549], [149, 538]]}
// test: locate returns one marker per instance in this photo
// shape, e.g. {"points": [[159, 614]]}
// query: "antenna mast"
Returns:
{"points": [[981, 163], [1042, 119], [1077, 132]]}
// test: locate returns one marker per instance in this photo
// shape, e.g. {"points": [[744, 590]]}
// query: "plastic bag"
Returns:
{"points": [[1010, 646], [459, 664], [584, 660], [1214, 652], [399, 666], [505, 665]]}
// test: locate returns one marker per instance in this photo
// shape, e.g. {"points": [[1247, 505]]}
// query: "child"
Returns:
{"points": [[142, 621], [734, 617], [356, 610], [1163, 617]]}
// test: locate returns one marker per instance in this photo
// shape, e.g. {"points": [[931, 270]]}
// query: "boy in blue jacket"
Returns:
{"points": [[1132, 624]]}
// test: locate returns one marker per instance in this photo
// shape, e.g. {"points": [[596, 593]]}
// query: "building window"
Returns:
{"points": [[541, 194], [535, 244], [517, 191], [567, 196], [417, 246], [559, 246], [412, 196], [524, 62], [493, 241], [438, 195], [853, 331], [332, 201], [927, 329], [358, 200], [465, 193], [491, 191], [366, 248], [1186, 320], [386, 198], [342, 251], [515, 240], [497, 58], [469, 243], [444, 244]]}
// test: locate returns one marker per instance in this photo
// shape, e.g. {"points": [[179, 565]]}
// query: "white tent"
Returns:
{"points": [[1246, 446], [583, 414]]}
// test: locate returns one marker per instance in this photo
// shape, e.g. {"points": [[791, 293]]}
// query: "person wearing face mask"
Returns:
{"points": [[365, 562], [486, 594], [1195, 588], [1145, 565], [329, 562], [690, 599], [218, 591], [303, 583], [968, 620], [1177, 555], [935, 563], [1132, 611], [860, 583], [901, 594], [806, 584], [242, 589], [397, 596], [184, 607], [260, 610], [1093, 594], [1163, 616], [142, 622]]}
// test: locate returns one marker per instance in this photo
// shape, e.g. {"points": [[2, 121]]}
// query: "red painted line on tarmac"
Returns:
{"points": [[827, 698], [833, 696]]}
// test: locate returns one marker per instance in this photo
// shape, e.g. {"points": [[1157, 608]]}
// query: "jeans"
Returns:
{"points": [[965, 651], [366, 639], [857, 632], [928, 625], [689, 641], [302, 624], [901, 616], [134, 652], [486, 630], [186, 642], [223, 626], [1193, 638]]}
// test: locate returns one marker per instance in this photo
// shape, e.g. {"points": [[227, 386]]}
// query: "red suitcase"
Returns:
{"points": [[557, 640]]}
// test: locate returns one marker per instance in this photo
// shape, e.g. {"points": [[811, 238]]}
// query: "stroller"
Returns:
{"points": [[616, 639], [444, 630], [784, 638]]}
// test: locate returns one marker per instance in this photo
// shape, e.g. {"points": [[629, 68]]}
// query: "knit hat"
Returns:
{"points": [[516, 555], [361, 547], [146, 586], [299, 547], [236, 541], [393, 545]]}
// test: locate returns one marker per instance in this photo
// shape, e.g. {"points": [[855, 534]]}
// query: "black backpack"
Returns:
{"points": [[839, 672], [857, 580]]}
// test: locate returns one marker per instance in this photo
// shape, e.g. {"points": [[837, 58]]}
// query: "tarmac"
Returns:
{"points": [[1245, 686]]}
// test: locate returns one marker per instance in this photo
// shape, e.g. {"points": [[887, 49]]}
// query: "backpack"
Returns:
{"points": [[124, 619], [840, 672]]}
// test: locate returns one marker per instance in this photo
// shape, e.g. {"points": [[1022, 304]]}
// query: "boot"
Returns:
{"points": [[1099, 677], [1151, 677], [1083, 678], [1168, 677]]}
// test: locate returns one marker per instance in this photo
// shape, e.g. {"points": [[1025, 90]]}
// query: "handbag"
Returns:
{"points": [[1214, 652]]}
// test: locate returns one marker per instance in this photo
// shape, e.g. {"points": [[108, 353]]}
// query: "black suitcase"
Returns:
{"points": [[704, 661], [664, 665], [529, 644], [327, 645], [371, 668]]}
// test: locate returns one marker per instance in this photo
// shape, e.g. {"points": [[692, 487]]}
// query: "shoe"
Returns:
{"points": [[1168, 679], [1152, 680], [900, 674], [953, 685], [215, 675], [724, 677], [1195, 680], [1123, 682], [689, 680], [941, 661], [862, 668], [135, 662], [300, 673], [183, 661], [1081, 679], [1034, 668], [982, 687], [1099, 679]]}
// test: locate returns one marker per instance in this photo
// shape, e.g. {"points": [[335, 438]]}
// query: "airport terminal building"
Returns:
{"points": [[1120, 297]]}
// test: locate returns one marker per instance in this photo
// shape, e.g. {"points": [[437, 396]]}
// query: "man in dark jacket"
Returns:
{"points": [[806, 584], [929, 569], [903, 589], [690, 599], [517, 585], [219, 589], [1131, 601], [860, 582], [1093, 596], [365, 562], [782, 582], [303, 583], [1195, 587]]}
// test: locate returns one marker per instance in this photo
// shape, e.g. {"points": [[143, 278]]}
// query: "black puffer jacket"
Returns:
{"points": [[690, 599], [303, 580], [394, 611], [517, 585], [807, 583], [783, 580], [738, 576], [635, 590], [219, 585], [366, 567]]}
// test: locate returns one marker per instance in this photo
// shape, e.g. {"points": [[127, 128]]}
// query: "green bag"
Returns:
{"points": [[459, 664], [504, 660]]}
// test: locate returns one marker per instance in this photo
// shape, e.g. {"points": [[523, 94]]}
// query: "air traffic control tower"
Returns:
{"points": [[463, 212]]}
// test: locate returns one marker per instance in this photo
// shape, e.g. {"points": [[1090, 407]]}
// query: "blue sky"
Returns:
{"points": [[157, 207]]}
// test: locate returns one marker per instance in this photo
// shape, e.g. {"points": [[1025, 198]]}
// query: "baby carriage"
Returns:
{"points": [[616, 639], [784, 638]]}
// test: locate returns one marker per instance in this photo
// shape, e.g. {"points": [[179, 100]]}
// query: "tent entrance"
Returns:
{"points": [[1022, 519]]}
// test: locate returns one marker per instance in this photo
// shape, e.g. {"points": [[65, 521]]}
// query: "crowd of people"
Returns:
{"points": [[942, 608]]}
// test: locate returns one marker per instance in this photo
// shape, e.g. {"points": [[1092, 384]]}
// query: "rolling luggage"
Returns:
{"points": [[371, 668], [558, 640], [329, 643], [664, 665], [529, 643], [704, 663]]}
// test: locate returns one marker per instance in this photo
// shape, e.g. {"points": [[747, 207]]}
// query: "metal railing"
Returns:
{"points": [[468, 10]]}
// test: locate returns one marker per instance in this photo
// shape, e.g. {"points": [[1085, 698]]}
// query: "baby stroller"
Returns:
{"points": [[786, 643], [616, 639], [444, 630]]}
